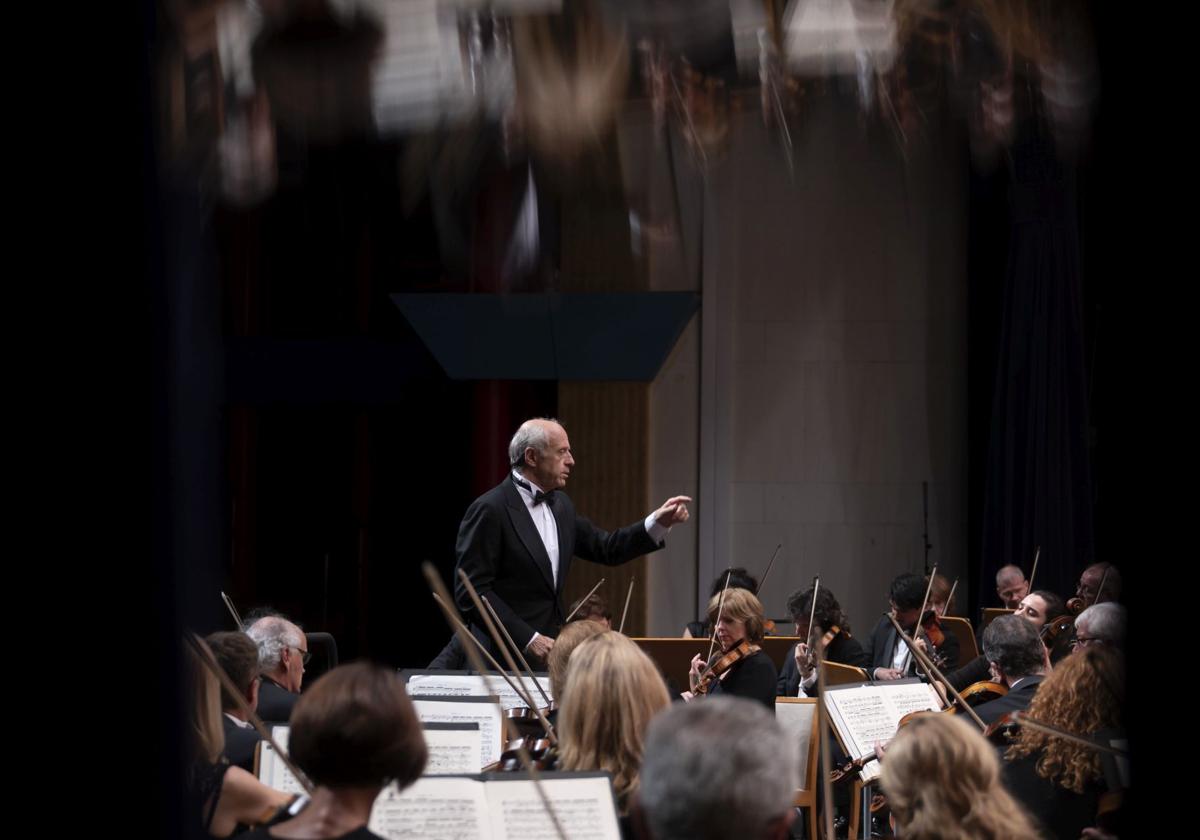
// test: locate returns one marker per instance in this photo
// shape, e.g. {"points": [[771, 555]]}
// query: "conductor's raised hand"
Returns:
{"points": [[673, 511]]}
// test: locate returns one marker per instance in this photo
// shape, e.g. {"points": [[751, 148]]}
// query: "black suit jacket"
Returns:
{"points": [[500, 550], [240, 744], [275, 703], [844, 649], [881, 648], [1017, 700]]}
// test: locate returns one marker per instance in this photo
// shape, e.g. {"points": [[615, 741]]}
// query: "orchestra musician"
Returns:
{"points": [[889, 658], [1018, 660], [799, 675], [613, 689], [942, 780], [1060, 782], [737, 578], [353, 732], [739, 620], [1011, 585]]}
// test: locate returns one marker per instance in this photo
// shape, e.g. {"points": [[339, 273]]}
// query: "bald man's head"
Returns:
{"points": [[541, 451], [1011, 585]]}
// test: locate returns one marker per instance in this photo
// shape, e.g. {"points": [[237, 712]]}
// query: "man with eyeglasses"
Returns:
{"points": [[282, 655], [1101, 624]]}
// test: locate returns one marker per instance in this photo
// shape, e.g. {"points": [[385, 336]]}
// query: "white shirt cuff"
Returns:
{"points": [[657, 532]]}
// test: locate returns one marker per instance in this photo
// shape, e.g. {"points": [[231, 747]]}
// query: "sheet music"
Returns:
{"points": [[584, 807], [869, 713], [487, 715], [453, 751], [433, 808], [474, 685], [271, 769]]}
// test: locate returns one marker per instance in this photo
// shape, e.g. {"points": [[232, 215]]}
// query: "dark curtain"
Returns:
{"points": [[1037, 488]]}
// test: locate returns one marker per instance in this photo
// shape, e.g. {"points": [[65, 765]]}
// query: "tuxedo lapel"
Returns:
{"points": [[523, 525], [566, 539]]}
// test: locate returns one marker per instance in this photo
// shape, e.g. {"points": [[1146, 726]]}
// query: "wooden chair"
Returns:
{"points": [[961, 628], [838, 674]]}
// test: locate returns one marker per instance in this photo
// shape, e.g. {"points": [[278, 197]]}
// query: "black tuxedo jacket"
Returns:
{"points": [[500, 550], [881, 648]]}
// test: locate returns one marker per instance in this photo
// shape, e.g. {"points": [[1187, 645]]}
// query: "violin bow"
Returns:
{"points": [[1033, 571], [232, 611], [770, 563], [210, 662], [720, 612], [525, 695], [591, 592], [812, 613], [1024, 719], [950, 597], [625, 611], [508, 637], [443, 599], [934, 673], [1100, 588], [925, 603]]}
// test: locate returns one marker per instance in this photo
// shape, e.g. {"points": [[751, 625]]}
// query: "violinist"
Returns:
{"points": [[889, 657], [1011, 585], [612, 691], [574, 633], [1041, 606], [799, 675], [941, 595], [1058, 781], [1018, 660], [943, 780], [218, 796], [1099, 582], [238, 657], [353, 732], [740, 667], [1100, 624], [717, 770]]}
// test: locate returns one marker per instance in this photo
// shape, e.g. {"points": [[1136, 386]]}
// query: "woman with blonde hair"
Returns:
{"points": [[612, 691], [942, 780], [738, 618], [1060, 781]]}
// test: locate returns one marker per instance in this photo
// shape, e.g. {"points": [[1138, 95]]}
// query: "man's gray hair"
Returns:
{"points": [[1013, 643], [272, 634], [1009, 572], [1103, 621], [717, 768], [531, 433]]}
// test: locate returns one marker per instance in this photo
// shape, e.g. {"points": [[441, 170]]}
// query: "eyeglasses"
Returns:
{"points": [[1083, 641], [305, 656]]}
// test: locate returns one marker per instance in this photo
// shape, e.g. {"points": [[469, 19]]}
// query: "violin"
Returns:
{"points": [[721, 664], [811, 657], [982, 692], [932, 626], [542, 754], [1058, 635]]}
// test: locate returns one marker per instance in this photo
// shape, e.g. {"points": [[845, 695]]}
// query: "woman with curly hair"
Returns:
{"points": [[1059, 781], [942, 781], [612, 691]]}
